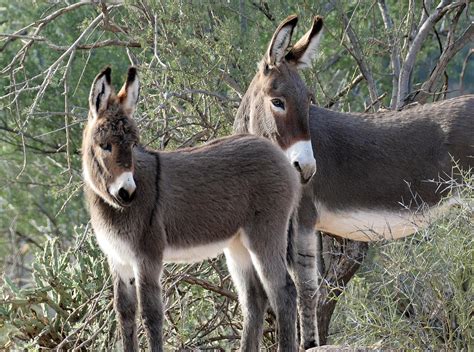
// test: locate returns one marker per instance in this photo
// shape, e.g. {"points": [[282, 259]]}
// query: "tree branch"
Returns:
{"points": [[394, 52], [358, 55], [430, 85], [463, 71], [407, 67], [265, 9], [102, 44], [344, 91]]}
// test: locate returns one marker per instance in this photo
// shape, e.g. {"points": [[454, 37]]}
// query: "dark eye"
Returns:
{"points": [[106, 146], [278, 103]]}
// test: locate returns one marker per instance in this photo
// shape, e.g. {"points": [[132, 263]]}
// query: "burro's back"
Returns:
{"points": [[234, 195], [231, 182]]}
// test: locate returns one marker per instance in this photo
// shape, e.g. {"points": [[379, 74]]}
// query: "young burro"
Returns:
{"points": [[234, 195]]}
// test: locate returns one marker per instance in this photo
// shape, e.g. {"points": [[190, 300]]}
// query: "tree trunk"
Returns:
{"points": [[337, 260]]}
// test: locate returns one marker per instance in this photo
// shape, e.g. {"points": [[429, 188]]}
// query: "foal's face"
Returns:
{"points": [[109, 140]]}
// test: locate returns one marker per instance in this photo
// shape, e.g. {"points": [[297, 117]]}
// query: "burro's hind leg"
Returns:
{"points": [[252, 296], [267, 244]]}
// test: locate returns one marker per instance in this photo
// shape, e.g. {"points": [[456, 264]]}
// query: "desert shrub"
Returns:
{"points": [[194, 63], [416, 293]]}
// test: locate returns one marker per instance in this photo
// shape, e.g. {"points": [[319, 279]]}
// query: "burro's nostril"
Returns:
{"points": [[124, 195], [297, 166]]}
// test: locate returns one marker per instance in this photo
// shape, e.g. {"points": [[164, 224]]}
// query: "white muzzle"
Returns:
{"points": [[302, 158]]}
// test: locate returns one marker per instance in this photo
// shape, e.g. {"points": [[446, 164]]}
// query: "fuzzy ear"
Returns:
{"points": [[100, 92], [280, 40], [304, 51], [130, 91]]}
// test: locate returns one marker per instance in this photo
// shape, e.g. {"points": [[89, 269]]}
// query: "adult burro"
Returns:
{"points": [[235, 195], [376, 173]]}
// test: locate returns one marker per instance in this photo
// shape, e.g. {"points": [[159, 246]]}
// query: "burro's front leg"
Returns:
{"points": [[149, 300], [305, 269], [125, 304]]}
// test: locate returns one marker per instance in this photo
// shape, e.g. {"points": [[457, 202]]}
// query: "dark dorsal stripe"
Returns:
{"points": [[157, 185]]}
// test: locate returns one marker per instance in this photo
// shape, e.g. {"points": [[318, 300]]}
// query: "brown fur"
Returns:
{"points": [[239, 190]]}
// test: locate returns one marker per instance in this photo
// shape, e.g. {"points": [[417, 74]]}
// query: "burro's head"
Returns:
{"points": [[109, 139], [276, 104]]}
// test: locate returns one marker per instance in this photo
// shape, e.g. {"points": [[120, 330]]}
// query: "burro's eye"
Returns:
{"points": [[106, 147], [278, 103]]}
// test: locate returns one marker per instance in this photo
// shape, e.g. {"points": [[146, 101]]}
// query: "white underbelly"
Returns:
{"points": [[196, 253], [120, 253], [373, 225]]}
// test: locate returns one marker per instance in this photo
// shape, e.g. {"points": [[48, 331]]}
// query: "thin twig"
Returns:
{"points": [[344, 91]]}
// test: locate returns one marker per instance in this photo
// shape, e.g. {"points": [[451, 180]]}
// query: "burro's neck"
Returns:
{"points": [[241, 122]]}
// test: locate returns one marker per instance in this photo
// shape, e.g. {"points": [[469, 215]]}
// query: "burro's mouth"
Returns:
{"points": [[305, 180], [124, 201], [123, 204]]}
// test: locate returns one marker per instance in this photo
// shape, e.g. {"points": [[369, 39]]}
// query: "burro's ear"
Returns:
{"points": [[280, 41], [304, 51], [129, 93], [100, 92]]}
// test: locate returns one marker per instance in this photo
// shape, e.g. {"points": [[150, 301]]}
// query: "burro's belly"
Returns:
{"points": [[123, 258], [373, 225], [195, 253]]}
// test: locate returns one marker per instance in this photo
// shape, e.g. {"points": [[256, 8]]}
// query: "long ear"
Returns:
{"points": [[280, 40], [304, 51], [100, 92], [130, 91]]}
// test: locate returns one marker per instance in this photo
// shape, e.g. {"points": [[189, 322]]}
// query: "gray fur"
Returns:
{"points": [[365, 161], [379, 161], [239, 188]]}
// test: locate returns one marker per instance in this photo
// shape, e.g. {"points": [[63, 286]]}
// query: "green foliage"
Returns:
{"points": [[69, 299], [195, 60], [417, 293]]}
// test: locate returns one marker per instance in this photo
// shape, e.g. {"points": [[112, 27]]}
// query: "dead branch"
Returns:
{"points": [[430, 85], [371, 105], [356, 52], [463, 71], [49, 73], [102, 44], [394, 52], [21, 54], [407, 67], [344, 91], [264, 8], [41, 23], [208, 286]]}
